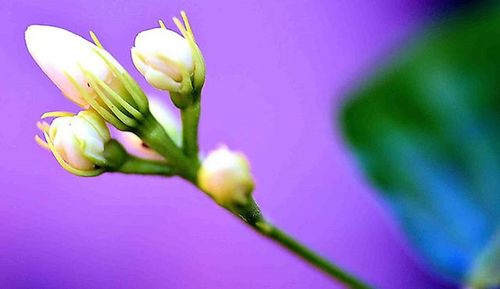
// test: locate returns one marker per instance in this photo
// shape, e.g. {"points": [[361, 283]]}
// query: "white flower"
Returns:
{"points": [[225, 175], [77, 141], [170, 61], [59, 53]]}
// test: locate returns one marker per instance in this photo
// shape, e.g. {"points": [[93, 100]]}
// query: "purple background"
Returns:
{"points": [[275, 70]]}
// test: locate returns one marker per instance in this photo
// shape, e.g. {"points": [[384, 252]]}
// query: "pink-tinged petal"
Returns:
{"points": [[59, 52]]}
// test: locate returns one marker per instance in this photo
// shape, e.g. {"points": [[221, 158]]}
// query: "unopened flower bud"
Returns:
{"points": [[163, 57], [77, 141], [87, 74], [58, 51], [170, 61], [226, 176], [166, 119]]}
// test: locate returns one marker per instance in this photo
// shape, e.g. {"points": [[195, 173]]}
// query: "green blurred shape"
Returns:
{"points": [[426, 131]]}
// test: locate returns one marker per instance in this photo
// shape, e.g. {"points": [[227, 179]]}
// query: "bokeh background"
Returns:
{"points": [[275, 69]]}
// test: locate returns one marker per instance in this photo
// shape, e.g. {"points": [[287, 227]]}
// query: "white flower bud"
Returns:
{"points": [[87, 74], [59, 52], [225, 175], [170, 61], [78, 142], [163, 57], [167, 120]]}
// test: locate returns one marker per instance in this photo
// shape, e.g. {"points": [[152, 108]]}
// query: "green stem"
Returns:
{"points": [[190, 119], [119, 160], [252, 215], [267, 229], [134, 165], [153, 134], [186, 164]]}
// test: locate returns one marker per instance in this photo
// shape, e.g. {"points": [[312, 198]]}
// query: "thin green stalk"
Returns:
{"points": [[119, 160], [186, 164], [134, 165], [190, 119], [249, 213], [252, 215], [272, 232]]}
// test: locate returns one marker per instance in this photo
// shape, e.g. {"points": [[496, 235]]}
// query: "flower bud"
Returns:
{"points": [[87, 74], [225, 175], [58, 51], [170, 61], [163, 57], [77, 141], [167, 120]]}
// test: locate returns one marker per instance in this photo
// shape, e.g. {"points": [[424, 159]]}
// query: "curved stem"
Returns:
{"points": [[252, 215], [186, 164]]}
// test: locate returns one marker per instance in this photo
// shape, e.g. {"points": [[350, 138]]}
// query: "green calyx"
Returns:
{"points": [[115, 155], [192, 83]]}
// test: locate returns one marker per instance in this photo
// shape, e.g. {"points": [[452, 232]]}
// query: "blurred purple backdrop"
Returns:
{"points": [[275, 70]]}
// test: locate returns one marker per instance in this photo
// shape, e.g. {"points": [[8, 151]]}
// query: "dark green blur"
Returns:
{"points": [[425, 128]]}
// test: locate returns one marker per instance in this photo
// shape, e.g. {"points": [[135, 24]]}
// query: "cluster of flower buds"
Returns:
{"points": [[148, 133]]}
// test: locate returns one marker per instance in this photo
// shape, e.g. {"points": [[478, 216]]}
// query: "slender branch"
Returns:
{"points": [[186, 164], [119, 160], [252, 215], [267, 229], [139, 166], [190, 119], [250, 212]]}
